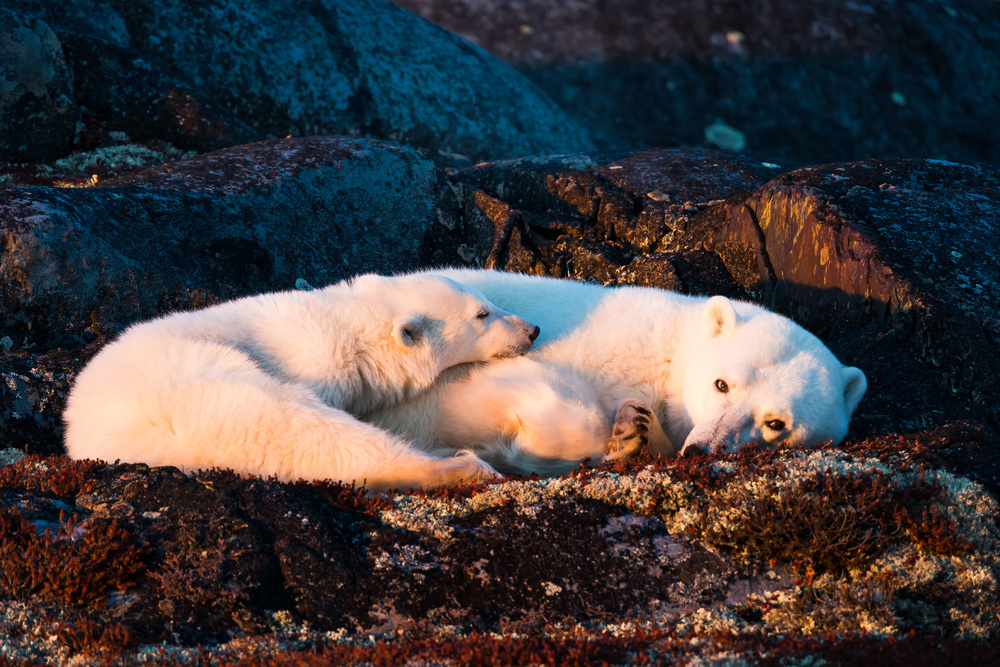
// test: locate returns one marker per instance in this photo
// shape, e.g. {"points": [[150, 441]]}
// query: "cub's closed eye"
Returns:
{"points": [[483, 314], [721, 386], [775, 425]]}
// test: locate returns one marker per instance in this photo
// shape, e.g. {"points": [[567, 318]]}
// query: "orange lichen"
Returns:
{"points": [[577, 647], [77, 564], [54, 475], [91, 637], [344, 497]]}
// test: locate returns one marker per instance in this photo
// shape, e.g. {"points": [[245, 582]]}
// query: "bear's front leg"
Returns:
{"points": [[636, 425]]}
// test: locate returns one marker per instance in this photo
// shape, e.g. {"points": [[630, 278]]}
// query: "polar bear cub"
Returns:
{"points": [[268, 384], [616, 367]]}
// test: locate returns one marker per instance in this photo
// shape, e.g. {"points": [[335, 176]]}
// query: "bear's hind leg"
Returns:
{"points": [[424, 470], [547, 434], [330, 444]]}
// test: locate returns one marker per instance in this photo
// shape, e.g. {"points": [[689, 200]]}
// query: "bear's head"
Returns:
{"points": [[447, 322], [762, 378]]}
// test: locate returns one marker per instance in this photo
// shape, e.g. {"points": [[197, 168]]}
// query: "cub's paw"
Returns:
{"points": [[630, 431], [467, 467]]}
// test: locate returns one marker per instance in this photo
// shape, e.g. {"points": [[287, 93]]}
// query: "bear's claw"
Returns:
{"points": [[630, 431]]}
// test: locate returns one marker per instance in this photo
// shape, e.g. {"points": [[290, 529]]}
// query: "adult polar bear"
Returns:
{"points": [[684, 372], [268, 384]]}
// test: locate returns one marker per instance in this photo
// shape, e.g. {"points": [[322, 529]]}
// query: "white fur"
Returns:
{"points": [[601, 347], [268, 384]]}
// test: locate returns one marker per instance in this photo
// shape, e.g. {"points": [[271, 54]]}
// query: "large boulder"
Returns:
{"points": [[810, 81], [82, 262], [227, 71], [38, 114]]}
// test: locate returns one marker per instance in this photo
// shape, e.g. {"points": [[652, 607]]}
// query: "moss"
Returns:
{"points": [[95, 639], [344, 497], [56, 475], [79, 563], [91, 166], [626, 643]]}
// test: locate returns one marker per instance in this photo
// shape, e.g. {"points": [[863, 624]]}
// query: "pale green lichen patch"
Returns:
{"points": [[8, 456], [118, 158], [640, 492], [89, 168], [35, 639], [874, 546]]}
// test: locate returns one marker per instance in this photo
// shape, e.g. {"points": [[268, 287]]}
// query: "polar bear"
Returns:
{"points": [[617, 367], [268, 384]]}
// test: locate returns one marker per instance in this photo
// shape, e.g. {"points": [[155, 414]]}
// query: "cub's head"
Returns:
{"points": [[764, 379], [449, 321]]}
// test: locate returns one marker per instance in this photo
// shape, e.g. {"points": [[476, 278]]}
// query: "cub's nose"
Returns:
{"points": [[534, 334]]}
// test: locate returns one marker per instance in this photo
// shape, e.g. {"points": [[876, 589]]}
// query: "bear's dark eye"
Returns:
{"points": [[775, 425], [483, 314], [721, 385]]}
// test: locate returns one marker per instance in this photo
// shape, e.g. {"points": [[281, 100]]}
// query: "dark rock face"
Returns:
{"points": [[33, 391], [37, 112], [212, 74], [85, 262], [806, 81], [124, 91]]}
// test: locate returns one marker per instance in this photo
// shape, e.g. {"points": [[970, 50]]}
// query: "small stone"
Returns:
{"points": [[725, 137]]}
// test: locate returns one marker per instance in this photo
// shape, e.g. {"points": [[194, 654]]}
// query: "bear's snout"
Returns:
{"points": [[524, 333]]}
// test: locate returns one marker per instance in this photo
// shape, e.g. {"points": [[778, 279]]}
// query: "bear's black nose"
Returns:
{"points": [[534, 334], [692, 450]]}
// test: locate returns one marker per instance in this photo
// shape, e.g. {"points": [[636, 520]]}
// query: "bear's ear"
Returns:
{"points": [[408, 331], [855, 386], [720, 318]]}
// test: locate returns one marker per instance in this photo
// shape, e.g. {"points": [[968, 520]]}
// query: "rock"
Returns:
{"points": [[606, 209], [122, 90], [85, 262], [38, 113], [33, 391], [213, 77], [800, 81], [635, 558]]}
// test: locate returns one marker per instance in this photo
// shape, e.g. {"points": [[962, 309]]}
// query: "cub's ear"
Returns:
{"points": [[367, 281], [855, 386], [408, 331], [720, 317]]}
